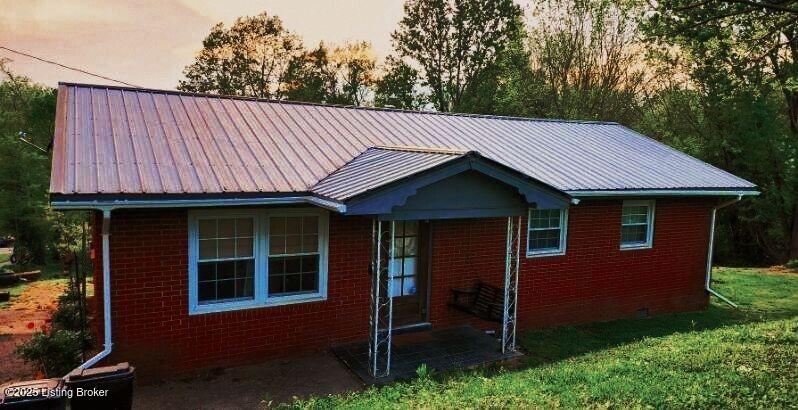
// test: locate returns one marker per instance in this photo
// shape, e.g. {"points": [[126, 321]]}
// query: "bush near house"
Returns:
{"points": [[721, 358]]}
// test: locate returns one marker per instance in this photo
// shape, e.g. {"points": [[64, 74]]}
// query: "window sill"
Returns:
{"points": [[636, 247], [229, 307], [545, 253]]}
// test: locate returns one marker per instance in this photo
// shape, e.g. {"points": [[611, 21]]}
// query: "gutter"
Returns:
{"points": [[708, 282], [184, 203], [107, 343], [659, 193]]}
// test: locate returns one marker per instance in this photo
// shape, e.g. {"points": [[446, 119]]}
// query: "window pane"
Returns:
{"points": [[207, 249], [244, 287], [276, 245], [310, 225], [293, 265], [244, 227], [634, 215], [310, 264], [225, 289], [396, 267], [409, 286], [206, 291], [207, 228], [411, 245], [409, 266], [244, 247], [276, 266], [310, 282], [277, 226], [276, 284], [634, 234], [245, 269], [310, 243], [206, 271], [293, 283], [225, 270], [227, 248], [227, 228], [398, 247], [548, 239], [397, 287], [544, 218], [293, 225], [411, 228], [293, 244], [293, 274]]}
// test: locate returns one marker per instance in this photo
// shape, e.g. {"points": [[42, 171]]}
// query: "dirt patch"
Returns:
{"points": [[26, 314], [781, 269]]}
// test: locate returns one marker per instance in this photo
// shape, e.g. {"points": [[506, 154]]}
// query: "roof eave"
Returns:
{"points": [[64, 204], [661, 192]]}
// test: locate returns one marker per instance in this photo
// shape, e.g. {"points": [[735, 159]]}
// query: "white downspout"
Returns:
{"points": [[708, 282], [106, 227]]}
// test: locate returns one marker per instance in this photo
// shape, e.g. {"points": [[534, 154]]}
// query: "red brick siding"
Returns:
{"points": [[593, 281]]}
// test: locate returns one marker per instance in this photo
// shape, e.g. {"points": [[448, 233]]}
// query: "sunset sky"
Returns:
{"points": [[149, 42]]}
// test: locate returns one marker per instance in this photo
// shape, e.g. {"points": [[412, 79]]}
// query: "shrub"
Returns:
{"points": [[56, 352], [792, 264]]}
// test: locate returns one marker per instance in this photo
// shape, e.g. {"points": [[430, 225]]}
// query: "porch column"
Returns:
{"points": [[381, 300], [512, 262]]}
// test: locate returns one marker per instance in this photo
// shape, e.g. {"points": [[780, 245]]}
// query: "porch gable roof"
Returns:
{"points": [[382, 179]]}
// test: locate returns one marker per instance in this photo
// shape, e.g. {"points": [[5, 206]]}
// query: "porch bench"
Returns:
{"points": [[483, 301]]}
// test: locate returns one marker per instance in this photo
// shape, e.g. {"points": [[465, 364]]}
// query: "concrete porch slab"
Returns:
{"points": [[445, 349]]}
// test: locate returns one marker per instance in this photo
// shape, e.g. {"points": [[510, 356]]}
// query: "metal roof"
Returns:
{"points": [[116, 140], [377, 167]]}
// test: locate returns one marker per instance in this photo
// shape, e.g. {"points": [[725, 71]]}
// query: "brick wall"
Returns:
{"points": [[593, 281]]}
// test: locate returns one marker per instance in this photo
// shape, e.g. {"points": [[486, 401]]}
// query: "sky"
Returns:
{"points": [[149, 42]]}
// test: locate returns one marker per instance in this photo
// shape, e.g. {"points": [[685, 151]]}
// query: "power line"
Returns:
{"points": [[44, 60]]}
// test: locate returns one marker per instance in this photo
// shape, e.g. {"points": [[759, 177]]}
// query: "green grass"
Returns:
{"points": [[4, 257], [720, 358]]}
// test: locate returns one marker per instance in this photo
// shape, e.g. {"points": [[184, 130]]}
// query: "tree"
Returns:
{"points": [[452, 41], [728, 46], [29, 108], [250, 58], [355, 66], [587, 52], [398, 87], [342, 75], [310, 77]]}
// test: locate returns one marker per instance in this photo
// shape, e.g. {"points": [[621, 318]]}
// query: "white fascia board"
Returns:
{"points": [[657, 192], [194, 203]]}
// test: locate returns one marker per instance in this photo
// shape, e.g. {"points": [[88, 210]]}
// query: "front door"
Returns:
{"points": [[410, 272]]}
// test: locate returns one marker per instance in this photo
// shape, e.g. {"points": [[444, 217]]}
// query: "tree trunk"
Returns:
{"points": [[793, 255]]}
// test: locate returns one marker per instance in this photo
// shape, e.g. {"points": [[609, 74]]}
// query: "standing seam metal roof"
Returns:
{"points": [[116, 140]]}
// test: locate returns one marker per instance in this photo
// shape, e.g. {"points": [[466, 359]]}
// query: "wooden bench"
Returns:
{"points": [[483, 301]]}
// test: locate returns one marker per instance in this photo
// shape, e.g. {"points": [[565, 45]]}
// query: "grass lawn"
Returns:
{"points": [[721, 358], [4, 257]]}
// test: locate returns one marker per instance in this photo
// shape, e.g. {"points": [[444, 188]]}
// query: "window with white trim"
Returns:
{"points": [[546, 232], [226, 262], [241, 259], [637, 224], [293, 255]]}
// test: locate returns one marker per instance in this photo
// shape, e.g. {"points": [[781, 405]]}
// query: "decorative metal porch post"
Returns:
{"points": [[381, 301], [512, 262]]}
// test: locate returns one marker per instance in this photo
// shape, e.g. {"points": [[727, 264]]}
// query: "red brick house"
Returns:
{"points": [[230, 230]]}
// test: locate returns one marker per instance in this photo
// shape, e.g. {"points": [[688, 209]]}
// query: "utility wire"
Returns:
{"points": [[44, 60]]}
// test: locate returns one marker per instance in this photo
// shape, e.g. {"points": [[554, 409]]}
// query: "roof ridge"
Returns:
{"points": [[423, 150], [353, 107]]}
